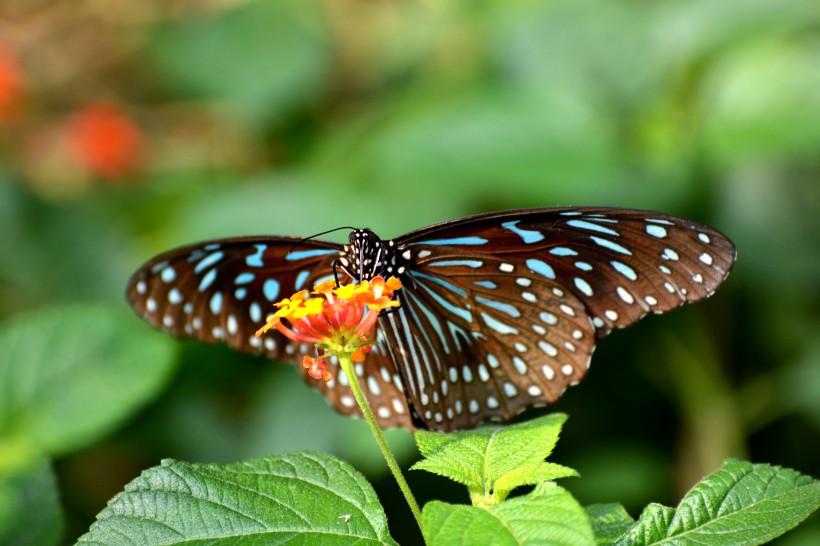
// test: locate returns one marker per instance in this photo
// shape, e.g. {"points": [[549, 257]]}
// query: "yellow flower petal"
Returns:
{"points": [[345, 292], [295, 299], [325, 287]]}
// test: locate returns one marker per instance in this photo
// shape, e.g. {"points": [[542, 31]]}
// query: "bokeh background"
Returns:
{"points": [[130, 127]]}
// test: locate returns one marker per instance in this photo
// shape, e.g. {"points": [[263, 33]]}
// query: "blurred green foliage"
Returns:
{"points": [[293, 117]]}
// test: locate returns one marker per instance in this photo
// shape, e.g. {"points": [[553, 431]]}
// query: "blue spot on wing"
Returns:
{"points": [[447, 263], [255, 259], [610, 245], [434, 322], [271, 289], [458, 311], [581, 224], [542, 268], [301, 278], [499, 306], [244, 278], [562, 251], [208, 261], [207, 280], [497, 325], [442, 282], [303, 254], [527, 235], [454, 241]]}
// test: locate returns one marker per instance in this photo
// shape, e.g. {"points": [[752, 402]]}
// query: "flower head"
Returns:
{"points": [[106, 140], [337, 319], [12, 85]]}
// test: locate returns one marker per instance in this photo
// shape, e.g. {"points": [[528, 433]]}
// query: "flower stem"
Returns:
{"points": [[347, 366]]}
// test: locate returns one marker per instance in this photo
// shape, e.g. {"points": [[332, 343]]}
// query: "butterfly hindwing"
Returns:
{"points": [[380, 382], [473, 348]]}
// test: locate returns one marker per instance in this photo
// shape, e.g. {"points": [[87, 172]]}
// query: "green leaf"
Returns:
{"points": [[742, 503], [492, 461], [266, 58], [305, 498], [30, 512], [71, 373], [609, 522], [546, 516]]}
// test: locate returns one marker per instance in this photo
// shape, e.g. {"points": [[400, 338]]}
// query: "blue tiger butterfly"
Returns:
{"points": [[499, 312]]}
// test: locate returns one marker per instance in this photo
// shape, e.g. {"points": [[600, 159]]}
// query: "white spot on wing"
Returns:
{"points": [[625, 295], [656, 231], [548, 349], [583, 286]]}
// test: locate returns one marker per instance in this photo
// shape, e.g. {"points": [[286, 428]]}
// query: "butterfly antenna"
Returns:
{"points": [[317, 235]]}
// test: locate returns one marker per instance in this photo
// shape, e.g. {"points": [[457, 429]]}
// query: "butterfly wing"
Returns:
{"points": [[501, 312], [224, 290]]}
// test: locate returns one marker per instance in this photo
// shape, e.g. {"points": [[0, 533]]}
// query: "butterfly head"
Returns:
{"points": [[367, 256]]}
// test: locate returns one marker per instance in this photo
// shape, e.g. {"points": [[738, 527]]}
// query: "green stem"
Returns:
{"points": [[347, 366]]}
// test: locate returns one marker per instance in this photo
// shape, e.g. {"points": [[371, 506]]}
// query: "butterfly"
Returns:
{"points": [[498, 312]]}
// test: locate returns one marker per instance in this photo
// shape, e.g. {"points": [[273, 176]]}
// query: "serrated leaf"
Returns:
{"points": [[742, 503], [492, 461], [30, 512], [530, 475], [306, 497], [546, 516], [609, 522], [70, 373]]}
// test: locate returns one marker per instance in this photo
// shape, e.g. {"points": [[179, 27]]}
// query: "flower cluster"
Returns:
{"points": [[337, 320], [12, 87], [106, 140]]}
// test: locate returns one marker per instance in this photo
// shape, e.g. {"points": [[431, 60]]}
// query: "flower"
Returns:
{"points": [[337, 319], [12, 86], [106, 141]]}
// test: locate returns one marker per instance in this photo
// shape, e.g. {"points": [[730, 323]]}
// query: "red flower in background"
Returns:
{"points": [[11, 82], [106, 141]]}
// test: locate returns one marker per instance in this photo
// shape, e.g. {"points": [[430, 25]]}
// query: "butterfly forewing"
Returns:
{"points": [[519, 298], [224, 290]]}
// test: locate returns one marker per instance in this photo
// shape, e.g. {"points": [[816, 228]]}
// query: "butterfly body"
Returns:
{"points": [[367, 256], [498, 312]]}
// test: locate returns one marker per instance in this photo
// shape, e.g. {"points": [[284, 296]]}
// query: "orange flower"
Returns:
{"points": [[336, 319], [106, 141], [11, 82]]}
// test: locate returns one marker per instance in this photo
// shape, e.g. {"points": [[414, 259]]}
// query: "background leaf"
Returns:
{"points": [[30, 513], [283, 50], [307, 497], [69, 374]]}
